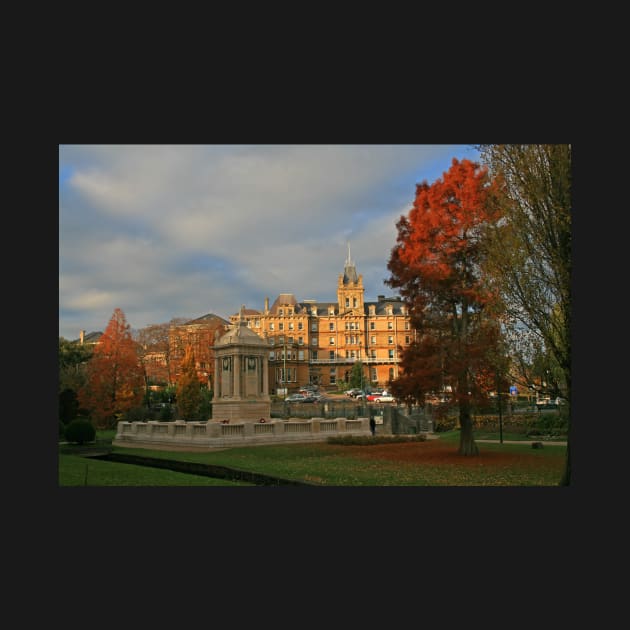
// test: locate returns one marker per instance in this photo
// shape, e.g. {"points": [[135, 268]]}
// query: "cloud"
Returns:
{"points": [[167, 231]]}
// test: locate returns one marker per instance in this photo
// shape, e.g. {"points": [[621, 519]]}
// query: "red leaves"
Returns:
{"points": [[115, 380]]}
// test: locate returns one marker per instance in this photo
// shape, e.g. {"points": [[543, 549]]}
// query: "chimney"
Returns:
{"points": [[380, 298], [81, 336], [266, 305]]}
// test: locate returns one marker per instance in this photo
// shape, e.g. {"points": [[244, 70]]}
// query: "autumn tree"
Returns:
{"points": [[436, 267], [115, 380], [189, 388], [529, 253]]}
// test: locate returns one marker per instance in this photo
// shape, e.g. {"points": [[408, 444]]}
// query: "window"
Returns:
{"points": [[314, 355], [406, 325], [331, 326], [272, 355], [407, 339], [347, 302], [301, 355], [331, 341], [390, 339], [331, 354], [271, 326], [372, 325], [290, 325], [373, 354], [314, 326], [354, 302], [300, 341], [290, 340], [373, 339], [373, 375], [390, 325], [300, 326], [280, 326], [257, 323], [314, 341], [390, 353], [281, 312], [272, 341], [281, 339], [391, 374], [333, 376]]}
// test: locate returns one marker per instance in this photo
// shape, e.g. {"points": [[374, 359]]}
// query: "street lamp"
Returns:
{"points": [[284, 373]]}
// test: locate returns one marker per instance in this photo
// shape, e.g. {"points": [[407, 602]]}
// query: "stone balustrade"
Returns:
{"points": [[154, 434]]}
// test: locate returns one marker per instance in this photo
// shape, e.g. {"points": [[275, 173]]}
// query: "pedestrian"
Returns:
{"points": [[372, 425]]}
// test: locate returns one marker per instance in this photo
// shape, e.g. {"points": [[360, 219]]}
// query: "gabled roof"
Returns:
{"points": [[91, 337]]}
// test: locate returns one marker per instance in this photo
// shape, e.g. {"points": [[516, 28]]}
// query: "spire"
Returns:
{"points": [[349, 271]]}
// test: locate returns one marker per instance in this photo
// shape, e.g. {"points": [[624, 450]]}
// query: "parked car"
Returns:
{"points": [[298, 398], [371, 397], [385, 398], [352, 393]]}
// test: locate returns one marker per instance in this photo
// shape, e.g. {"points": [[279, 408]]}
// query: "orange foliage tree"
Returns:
{"points": [[436, 267], [115, 378]]}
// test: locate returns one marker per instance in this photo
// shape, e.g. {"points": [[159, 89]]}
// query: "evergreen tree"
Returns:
{"points": [[189, 388]]}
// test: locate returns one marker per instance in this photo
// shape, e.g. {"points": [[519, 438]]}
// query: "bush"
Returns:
{"points": [[444, 424], [364, 440], [80, 431], [68, 405], [138, 414], [166, 414]]}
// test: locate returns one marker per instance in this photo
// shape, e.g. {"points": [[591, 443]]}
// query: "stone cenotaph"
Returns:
{"points": [[241, 386]]}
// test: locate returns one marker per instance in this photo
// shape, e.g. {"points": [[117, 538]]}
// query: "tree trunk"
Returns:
{"points": [[467, 445]]}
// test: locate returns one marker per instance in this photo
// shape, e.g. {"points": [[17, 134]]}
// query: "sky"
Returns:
{"points": [[164, 231]]}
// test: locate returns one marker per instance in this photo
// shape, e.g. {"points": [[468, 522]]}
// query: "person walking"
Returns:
{"points": [[372, 425]]}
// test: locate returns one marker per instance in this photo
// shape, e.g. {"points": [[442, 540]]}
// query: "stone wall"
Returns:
{"points": [[162, 435]]}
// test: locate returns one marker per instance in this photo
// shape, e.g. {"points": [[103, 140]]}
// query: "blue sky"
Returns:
{"points": [[163, 231]]}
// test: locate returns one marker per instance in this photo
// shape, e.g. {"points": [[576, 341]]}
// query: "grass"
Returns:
{"points": [[430, 463], [412, 463], [80, 471]]}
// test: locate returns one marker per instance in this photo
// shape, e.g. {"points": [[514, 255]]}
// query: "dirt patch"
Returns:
{"points": [[439, 453]]}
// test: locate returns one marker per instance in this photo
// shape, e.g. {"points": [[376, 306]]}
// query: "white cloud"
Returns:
{"points": [[166, 231]]}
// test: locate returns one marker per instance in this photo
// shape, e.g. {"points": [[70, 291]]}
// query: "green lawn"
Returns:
{"points": [[73, 470], [336, 465], [412, 464]]}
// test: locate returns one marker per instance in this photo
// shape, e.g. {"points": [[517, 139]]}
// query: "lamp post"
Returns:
{"points": [[284, 371]]}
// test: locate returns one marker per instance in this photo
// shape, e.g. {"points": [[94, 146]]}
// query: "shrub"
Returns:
{"points": [[80, 431], [68, 405], [365, 440], [138, 414], [166, 414]]}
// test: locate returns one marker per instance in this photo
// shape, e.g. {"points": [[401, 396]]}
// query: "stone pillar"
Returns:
{"points": [[265, 372], [236, 376], [217, 378]]}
